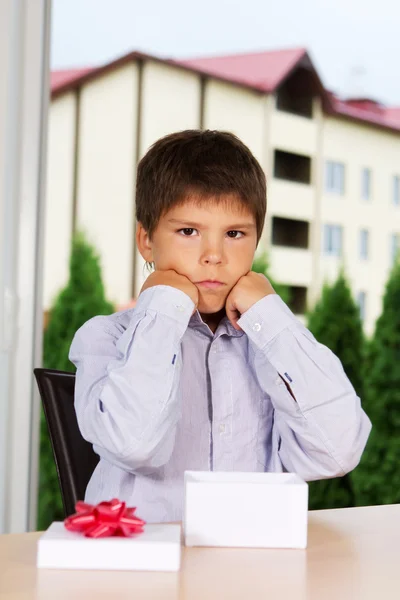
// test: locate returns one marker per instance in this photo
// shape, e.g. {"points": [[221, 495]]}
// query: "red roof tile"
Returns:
{"points": [[264, 70], [369, 111], [61, 78], [393, 112]]}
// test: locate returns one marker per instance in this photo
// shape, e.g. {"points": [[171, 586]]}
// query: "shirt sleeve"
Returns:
{"points": [[126, 397], [323, 430]]}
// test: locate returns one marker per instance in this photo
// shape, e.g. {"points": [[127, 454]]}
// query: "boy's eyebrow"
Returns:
{"points": [[190, 224]]}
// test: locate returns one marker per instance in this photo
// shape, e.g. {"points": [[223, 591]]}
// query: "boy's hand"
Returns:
{"points": [[249, 289], [173, 279]]}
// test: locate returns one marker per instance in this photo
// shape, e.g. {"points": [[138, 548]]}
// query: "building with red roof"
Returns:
{"points": [[332, 165]]}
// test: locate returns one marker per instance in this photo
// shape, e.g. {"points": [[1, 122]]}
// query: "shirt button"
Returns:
{"points": [[180, 307], [222, 428], [256, 327]]}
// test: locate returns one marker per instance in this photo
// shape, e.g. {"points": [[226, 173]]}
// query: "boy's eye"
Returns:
{"points": [[235, 234], [188, 231]]}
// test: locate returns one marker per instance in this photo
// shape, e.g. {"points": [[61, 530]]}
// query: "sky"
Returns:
{"points": [[354, 44]]}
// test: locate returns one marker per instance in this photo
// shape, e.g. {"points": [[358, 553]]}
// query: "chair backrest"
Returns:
{"points": [[74, 457]]}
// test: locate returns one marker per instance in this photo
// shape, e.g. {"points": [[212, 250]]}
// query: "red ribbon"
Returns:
{"points": [[104, 520]]}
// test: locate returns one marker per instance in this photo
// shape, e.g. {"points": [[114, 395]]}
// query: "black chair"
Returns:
{"points": [[74, 457]]}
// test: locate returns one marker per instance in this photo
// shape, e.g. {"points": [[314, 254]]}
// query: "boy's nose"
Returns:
{"points": [[212, 259], [212, 255]]}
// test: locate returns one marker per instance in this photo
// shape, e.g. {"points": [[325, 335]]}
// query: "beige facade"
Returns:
{"points": [[99, 130], [357, 148], [59, 194], [106, 153]]}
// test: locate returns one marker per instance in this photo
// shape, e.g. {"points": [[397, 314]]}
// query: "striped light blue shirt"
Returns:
{"points": [[157, 393]]}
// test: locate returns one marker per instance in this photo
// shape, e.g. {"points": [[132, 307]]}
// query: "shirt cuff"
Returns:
{"points": [[266, 319], [168, 301]]}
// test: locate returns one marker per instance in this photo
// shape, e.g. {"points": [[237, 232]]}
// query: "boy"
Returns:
{"points": [[210, 370]]}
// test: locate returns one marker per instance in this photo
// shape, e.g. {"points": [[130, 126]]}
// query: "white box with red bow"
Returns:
{"points": [[109, 536]]}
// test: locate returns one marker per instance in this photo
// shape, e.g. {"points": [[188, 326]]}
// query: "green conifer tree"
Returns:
{"points": [[336, 323], [81, 299], [377, 478]]}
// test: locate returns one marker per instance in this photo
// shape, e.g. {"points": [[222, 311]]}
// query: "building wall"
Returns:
{"points": [[238, 110], [291, 266], [106, 170], [59, 195], [358, 146], [170, 102], [294, 133]]}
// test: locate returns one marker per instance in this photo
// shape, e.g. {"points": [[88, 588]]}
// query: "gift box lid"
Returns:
{"points": [[243, 478], [158, 547]]}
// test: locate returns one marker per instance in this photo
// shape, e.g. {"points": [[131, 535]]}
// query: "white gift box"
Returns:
{"points": [[158, 548], [253, 510]]}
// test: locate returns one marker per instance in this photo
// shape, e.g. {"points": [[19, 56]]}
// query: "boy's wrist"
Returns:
{"points": [[175, 280], [265, 319], [166, 300]]}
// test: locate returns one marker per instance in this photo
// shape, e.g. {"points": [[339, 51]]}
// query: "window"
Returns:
{"points": [[333, 239], [366, 184], [362, 301], [364, 243], [292, 167], [396, 190], [334, 177], [290, 233], [394, 247]]}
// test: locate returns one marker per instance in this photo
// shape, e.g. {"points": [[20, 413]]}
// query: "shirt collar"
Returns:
{"points": [[225, 327]]}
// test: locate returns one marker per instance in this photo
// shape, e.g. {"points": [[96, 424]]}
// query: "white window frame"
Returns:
{"points": [[335, 177], [362, 304], [333, 239], [364, 244], [394, 247], [366, 183]]}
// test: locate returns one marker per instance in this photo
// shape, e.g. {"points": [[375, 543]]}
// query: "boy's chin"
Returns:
{"points": [[210, 308]]}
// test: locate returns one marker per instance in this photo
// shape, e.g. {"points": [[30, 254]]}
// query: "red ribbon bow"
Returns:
{"points": [[104, 519]]}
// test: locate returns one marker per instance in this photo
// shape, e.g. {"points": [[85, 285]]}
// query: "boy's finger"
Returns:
{"points": [[233, 316]]}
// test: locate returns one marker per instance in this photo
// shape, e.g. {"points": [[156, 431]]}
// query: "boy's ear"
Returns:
{"points": [[143, 243]]}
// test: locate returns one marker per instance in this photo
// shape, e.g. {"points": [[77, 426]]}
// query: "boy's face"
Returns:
{"points": [[211, 243]]}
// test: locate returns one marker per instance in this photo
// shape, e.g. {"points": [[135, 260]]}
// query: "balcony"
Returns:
{"points": [[293, 133], [291, 199], [290, 233], [292, 167], [291, 266]]}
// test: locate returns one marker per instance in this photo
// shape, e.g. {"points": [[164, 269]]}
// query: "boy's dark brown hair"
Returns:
{"points": [[201, 164]]}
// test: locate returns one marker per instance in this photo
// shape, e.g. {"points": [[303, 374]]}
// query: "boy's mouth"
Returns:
{"points": [[210, 284]]}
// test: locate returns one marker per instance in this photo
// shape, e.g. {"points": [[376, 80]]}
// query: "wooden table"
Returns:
{"points": [[352, 553]]}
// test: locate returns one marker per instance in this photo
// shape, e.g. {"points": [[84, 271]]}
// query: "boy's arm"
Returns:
{"points": [[126, 381], [319, 421]]}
